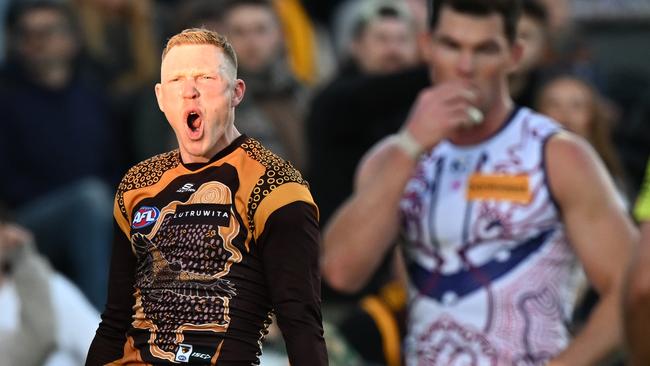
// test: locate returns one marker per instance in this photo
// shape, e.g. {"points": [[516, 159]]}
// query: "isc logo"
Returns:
{"points": [[145, 216]]}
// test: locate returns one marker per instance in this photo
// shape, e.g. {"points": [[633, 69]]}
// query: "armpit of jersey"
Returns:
{"points": [[144, 174], [280, 178]]}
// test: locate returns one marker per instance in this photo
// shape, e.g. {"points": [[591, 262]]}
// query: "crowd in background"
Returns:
{"points": [[325, 81]]}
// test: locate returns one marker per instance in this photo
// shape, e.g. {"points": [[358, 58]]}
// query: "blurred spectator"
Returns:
{"points": [[559, 15], [383, 39], [274, 108], [577, 105], [353, 16], [200, 14], [45, 320], [367, 100], [308, 47], [120, 35], [532, 35], [57, 145]]}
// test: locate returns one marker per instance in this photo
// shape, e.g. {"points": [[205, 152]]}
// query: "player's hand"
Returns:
{"points": [[438, 111]]}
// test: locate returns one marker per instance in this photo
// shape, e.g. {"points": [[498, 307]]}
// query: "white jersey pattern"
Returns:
{"points": [[490, 268]]}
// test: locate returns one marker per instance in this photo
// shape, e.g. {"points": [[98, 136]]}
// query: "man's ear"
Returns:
{"points": [[238, 92], [159, 97]]}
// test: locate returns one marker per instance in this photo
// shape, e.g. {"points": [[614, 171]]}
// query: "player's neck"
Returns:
{"points": [[493, 121]]}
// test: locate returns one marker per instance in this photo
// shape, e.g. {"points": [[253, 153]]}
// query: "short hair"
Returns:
{"points": [[374, 10], [536, 10], [508, 9], [201, 36]]}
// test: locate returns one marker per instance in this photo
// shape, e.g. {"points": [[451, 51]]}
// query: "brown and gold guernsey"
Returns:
{"points": [[204, 254]]}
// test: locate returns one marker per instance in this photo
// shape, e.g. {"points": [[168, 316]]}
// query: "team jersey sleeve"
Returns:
{"points": [[290, 250], [108, 344], [642, 205]]}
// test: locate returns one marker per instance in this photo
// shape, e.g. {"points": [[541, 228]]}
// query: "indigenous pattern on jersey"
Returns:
{"points": [[489, 265], [201, 295]]}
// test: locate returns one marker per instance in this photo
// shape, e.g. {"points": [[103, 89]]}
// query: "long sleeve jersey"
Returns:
{"points": [[204, 254]]}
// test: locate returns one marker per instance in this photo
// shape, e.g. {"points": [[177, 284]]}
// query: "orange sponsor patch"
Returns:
{"points": [[514, 188]]}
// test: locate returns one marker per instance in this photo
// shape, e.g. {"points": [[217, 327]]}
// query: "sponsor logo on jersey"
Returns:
{"points": [[203, 213], [203, 356], [187, 187], [513, 188], [144, 217], [183, 353]]}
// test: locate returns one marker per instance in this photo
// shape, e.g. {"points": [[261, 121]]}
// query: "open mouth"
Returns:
{"points": [[193, 121]]}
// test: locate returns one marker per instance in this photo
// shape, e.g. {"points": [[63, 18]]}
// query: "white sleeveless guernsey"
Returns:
{"points": [[490, 269]]}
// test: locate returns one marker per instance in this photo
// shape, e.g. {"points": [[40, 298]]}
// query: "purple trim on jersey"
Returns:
{"points": [[435, 284], [544, 165], [435, 193]]}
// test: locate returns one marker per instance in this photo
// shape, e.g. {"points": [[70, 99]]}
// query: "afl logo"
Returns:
{"points": [[145, 216]]}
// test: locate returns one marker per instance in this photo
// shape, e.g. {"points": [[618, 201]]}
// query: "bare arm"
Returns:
{"points": [[363, 229], [602, 236]]}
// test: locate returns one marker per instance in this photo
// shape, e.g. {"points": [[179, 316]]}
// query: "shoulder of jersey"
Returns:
{"points": [[277, 170], [146, 173], [279, 176]]}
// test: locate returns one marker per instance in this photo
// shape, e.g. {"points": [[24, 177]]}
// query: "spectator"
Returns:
{"points": [[274, 109], [577, 105], [366, 101], [532, 34], [57, 144], [308, 47], [45, 320], [120, 35]]}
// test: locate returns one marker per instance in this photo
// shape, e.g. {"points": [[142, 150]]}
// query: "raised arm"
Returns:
{"points": [[364, 227], [601, 234]]}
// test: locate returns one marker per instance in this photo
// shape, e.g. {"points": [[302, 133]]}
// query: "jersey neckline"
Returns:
{"points": [[222, 153], [508, 121]]}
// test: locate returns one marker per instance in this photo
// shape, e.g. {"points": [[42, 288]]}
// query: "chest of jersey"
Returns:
{"points": [[469, 205]]}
